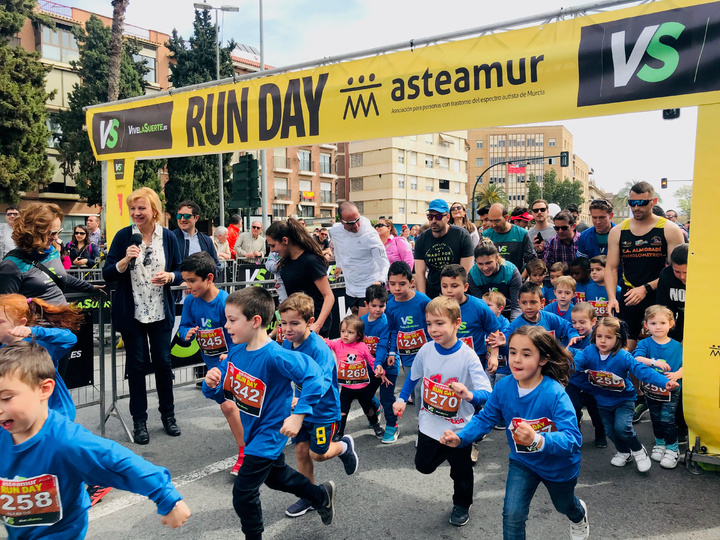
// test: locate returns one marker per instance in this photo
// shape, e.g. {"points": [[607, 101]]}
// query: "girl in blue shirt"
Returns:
{"points": [[542, 433]]}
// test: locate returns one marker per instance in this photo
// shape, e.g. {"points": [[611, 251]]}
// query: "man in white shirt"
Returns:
{"points": [[7, 244], [360, 254], [251, 245]]}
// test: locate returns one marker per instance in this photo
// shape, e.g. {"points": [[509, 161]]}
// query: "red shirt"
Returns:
{"points": [[232, 236]]}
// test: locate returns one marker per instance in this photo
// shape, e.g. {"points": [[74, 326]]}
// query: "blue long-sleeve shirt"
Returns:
{"points": [[212, 338], [259, 383], [548, 409], [554, 308], [610, 378], [477, 322], [671, 352], [58, 461], [408, 327], [377, 337]]}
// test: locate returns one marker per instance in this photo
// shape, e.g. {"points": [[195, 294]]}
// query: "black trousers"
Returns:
{"points": [[275, 474], [149, 345], [431, 454]]}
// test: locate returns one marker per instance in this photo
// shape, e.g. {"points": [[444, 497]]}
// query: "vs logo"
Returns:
{"points": [[669, 53], [109, 133]]}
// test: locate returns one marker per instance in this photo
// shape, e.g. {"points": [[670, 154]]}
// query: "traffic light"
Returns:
{"points": [[663, 183], [245, 191], [564, 159]]}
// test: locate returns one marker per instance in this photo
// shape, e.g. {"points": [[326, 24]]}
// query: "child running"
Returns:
{"points": [[314, 440], [46, 458], [608, 367], [663, 354], [565, 296], [203, 319], [496, 301], [355, 366], [453, 384], [555, 271], [543, 434], [50, 326], [256, 375]]}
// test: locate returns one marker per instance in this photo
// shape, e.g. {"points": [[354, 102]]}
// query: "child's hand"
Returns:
{"points": [[222, 357], [292, 424], [20, 331], [573, 341], [662, 364], [177, 515], [294, 402], [492, 364], [524, 434], [212, 378], [496, 339], [674, 375], [379, 371], [450, 438], [399, 408], [191, 333], [671, 385], [391, 360], [384, 380], [461, 391]]}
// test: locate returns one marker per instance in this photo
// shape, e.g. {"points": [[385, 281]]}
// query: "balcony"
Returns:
{"points": [[307, 167], [282, 164], [282, 194], [327, 197], [308, 197]]}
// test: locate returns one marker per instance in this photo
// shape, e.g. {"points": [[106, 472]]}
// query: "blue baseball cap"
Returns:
{"points": [[439, 205]]}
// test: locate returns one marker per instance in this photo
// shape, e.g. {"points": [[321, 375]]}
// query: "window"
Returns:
{"points": [[150, 58], [326, 213], [429, 186], [479, 162], [401, 157], [325, 164], [401, 181], [304, 160], [444, 163], [279, 210], [521, 178], [479, 144], [457, 188], [55, 131], [456, 165], [326, 192], [501, 143], [413, 207], [413, 182], [429, 139], [444, 186], [306, 185], [401, 210], [551, 142], [413, 158], [59, 45], [306, 210], [429, 161], [478, 179]]}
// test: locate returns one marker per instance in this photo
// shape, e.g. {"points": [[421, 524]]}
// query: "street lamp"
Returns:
{"points": [[233, 9], [479, 179]]}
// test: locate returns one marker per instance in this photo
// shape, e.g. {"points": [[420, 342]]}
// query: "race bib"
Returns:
{"points": [[352, 372], [579, 297], [372, 343], [439, 399], [410, 342], [606, 380], [655, 392], [246, 391], [279, 336], [30, 502], [468, 341], [212, 342], [540, 425], [601, 307]]}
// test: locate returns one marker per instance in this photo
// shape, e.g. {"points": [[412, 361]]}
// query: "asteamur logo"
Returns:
{"points": [[662, 54]]}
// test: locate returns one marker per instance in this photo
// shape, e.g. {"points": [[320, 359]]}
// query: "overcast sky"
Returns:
{"points": [[619, 149]]}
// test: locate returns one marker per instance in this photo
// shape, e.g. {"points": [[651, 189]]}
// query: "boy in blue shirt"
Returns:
{"points": [[47, 459], [203, 318], [565, 294], [555, 271], [595, 292], [496, 301], [314, 441], [377, 335], [256, 375], [579, 270]]}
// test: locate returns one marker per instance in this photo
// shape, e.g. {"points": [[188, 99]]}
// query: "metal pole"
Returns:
{"points": [[263, 160], [221, 181]]}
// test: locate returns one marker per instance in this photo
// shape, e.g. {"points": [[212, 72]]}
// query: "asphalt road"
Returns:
{"points": [[387, 498]]}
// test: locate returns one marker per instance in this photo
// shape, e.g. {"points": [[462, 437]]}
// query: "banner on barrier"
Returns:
{"points": [[654, 56]]}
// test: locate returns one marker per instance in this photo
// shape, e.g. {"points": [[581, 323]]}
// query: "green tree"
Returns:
{"points": [[76, 156], [534, 191], [490, 194], [684, 197], [194, 62], [567, 192], [549, 186], [24, 165]]}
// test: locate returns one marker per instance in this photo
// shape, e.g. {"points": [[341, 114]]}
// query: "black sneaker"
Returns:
{"points": [[640, 410], [379, 431], [601, 442], [459, 516], [171, 427], [299, 508], [327, 511], [140, 433], [349, 457]]}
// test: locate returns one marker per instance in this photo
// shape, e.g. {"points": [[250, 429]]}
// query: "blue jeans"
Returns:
{"points": [[617, 421], [662, 414], [522, 482]]}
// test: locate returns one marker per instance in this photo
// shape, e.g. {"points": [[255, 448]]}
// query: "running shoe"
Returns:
{"points": [[391, 434], [580, 531], [641, 409], [642, 460], [349, 457], [670, 459], [459, 516], [620, 459], [379, 431], [327, 512], [657, 453]]}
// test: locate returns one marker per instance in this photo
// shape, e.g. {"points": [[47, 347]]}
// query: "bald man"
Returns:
{"points": [[512, 242]]}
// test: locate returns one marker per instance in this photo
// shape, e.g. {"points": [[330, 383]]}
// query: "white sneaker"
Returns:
{"points": [[620, 459], [669, 460], [580, 531], [642, 460], [657, 453]]}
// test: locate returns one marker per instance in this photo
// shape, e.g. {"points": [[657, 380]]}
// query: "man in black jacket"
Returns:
{"points": [[189, 238]]}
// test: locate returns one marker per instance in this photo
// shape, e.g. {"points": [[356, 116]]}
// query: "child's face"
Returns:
{"points": [[554, 276], [6, 324], [582, 323], [597, 273], [530, 304], [197, 286], [294, 327], [525, 361], [453, 288], [497, 309], [442, 329], [348, 335], [564, 295], [579, 274], [23, 408], [376, 308], [400, 287], [241, 330], [605, 339], [680, 271], [537, 278], [658, 326]]}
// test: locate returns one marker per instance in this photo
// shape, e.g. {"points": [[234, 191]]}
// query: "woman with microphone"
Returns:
{"points": [[144, 260]]}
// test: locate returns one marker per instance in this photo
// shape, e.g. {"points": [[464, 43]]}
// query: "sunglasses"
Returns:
{"points": [[254, 227], [536, 210], [561, 228], [353, 222], [79, 233], [148, 256], [183, 216], [639, 202], [455, 208], [381, 225], [12, 214]]}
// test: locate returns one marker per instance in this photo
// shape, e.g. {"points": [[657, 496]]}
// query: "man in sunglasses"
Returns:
{"points": [[359, 253], [7, 244], [543, 228], [563, 246], [251, 244], [189, 238], [642, 244], [593, 241], [512, 242], [440, 245]]}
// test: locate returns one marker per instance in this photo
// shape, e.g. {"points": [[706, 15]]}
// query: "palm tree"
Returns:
{"points": [[489, 195], [119, 9], [621, 197]]}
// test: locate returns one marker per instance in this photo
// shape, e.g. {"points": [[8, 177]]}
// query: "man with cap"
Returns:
{"points": [[440, 245], [512, 242]]}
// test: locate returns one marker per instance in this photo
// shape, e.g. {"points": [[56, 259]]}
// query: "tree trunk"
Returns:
{"points": [[119, 8]]}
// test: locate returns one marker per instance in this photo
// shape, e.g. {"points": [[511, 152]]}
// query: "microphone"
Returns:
{"points": [[135, 240]]}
